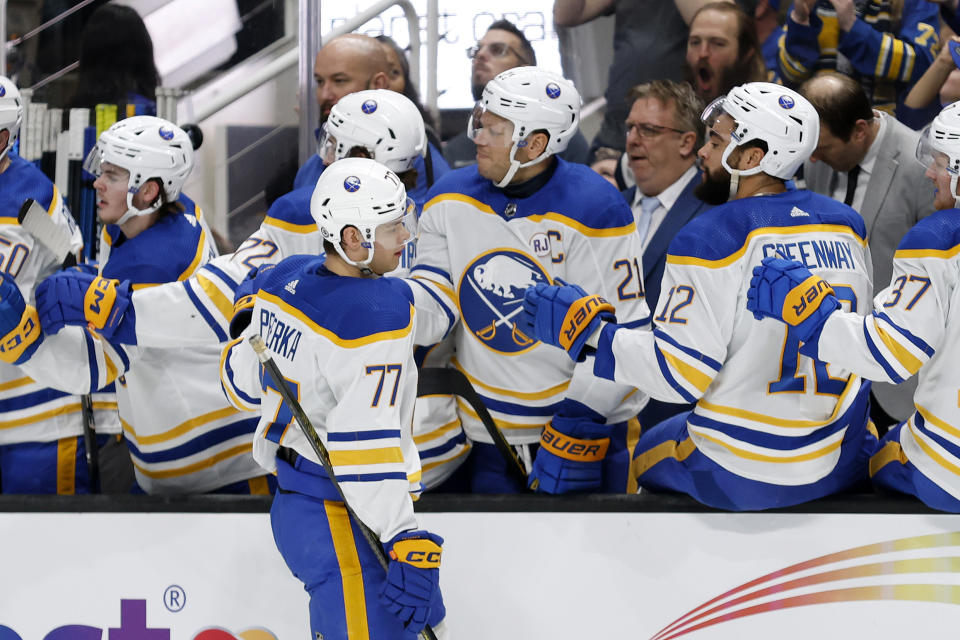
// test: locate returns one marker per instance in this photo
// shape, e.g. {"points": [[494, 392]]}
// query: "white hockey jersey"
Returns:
{"points": [[29, 410], [914, 327], [479, 250], [183, 435], [345, 347], [773, 419]]}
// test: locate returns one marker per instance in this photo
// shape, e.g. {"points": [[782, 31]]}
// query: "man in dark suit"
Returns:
{"points": [[867, 159], [663, 135]]}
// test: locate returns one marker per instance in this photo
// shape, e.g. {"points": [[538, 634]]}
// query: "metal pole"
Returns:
{"points": [[308, 33], [3, 37], [433, 39]]}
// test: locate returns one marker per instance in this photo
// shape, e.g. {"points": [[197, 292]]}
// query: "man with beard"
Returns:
{"points": [[502, 47], [765, 432], [347, 64], [722, 50], [865, 159]]}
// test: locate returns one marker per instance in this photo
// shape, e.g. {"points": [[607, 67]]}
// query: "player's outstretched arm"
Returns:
{"points": [[19, 324], [77, 297], [564, 316], [789, 292]]}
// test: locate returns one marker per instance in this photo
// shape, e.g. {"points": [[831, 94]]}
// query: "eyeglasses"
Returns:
{"points": [[645, 130], [496, 49]]}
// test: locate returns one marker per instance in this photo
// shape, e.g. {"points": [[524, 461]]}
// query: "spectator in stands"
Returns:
{"points": [[652, 32], [663, 134], [502, 47], [933, 87], [866, 159], [606, 162], [116, 62], [347, 64], [401, 83], [885, 46], [722, 50]]}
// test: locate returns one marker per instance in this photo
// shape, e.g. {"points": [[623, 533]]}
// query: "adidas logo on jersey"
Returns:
{"points": [[291, 286], [798, 213]]}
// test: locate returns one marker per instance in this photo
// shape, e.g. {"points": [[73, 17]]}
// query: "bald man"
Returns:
{"points": [[347, 64]]}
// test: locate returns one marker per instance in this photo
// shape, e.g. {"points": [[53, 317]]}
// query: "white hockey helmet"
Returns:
{"points": [[147, 147], [385, 123], [532, 99], [11, 112], [362, 193], [780, 117], [942, 136]]}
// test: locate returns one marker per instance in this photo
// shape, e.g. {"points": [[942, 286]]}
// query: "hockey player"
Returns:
{"points": [[522, 216], [41, 450], [183, 435], [912, 330], [343, 339], [765, 432]]}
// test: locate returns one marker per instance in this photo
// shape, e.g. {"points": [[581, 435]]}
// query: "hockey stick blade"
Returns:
{"points": [[34, 218], [321, 450]]}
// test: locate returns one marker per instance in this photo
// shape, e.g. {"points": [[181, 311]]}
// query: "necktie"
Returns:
{"points": [[851, 185], [648, 204]]}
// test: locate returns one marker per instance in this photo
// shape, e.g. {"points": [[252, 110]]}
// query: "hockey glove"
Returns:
{"points": [[243, 299], [563, 316], [19, 324], [572, 448], [787, 291], [413, 577], [72, 297]]}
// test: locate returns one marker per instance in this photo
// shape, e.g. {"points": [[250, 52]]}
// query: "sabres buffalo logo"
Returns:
{"points": [[369, 106], [351, 184], [491, 297], [166, 133]]}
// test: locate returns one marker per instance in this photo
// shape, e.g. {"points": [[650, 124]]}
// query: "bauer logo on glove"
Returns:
{"points": [[579, 315], [99, 301], [804, 299]]}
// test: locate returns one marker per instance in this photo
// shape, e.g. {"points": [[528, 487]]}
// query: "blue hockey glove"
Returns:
{"points": [[572, 448], [413, 577], [243, 299], [787, 291], [563, 316], [73, 297], [19, 324]]}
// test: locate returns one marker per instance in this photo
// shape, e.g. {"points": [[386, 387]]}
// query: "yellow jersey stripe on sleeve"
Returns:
{"points": [[355, 457], [906, 359], [219, 300]]}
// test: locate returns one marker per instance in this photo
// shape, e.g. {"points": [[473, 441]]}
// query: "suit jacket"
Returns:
{"points": [[898, 196], [683, 211]]}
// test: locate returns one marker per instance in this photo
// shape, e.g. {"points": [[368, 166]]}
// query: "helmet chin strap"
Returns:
{"points": [[132, 211], [516, 164], [363, 265]]}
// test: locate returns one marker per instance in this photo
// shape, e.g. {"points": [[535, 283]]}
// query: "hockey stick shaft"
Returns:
{"points": [[321, 450], [33, 217]]}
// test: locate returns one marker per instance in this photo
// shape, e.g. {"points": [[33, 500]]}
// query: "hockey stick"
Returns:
{"points": [[321, 450], [446, 381], [33, 217]]}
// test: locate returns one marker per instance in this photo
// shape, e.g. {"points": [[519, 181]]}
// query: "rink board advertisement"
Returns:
{"points": [[643, 576]]}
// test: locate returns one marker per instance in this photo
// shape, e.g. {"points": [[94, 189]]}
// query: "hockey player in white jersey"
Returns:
{"points": [[183, 435], [343, 339], [41, 450], [521, 216], [765, 432], [912, 329]]}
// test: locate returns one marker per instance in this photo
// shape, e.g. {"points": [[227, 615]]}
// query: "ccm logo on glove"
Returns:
{"points": [[804, 299], [579, 315], [419, 552]]}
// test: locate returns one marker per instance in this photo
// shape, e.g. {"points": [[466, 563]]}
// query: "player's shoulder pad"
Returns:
{"points": [[309, 173], [350, 308], [20, 181], [293, 207], [722, 231], [465, 180], [163, 253], [939, 231], [578, 192]]}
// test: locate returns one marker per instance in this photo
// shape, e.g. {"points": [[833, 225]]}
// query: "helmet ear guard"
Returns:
{"points": [[533, 99]]}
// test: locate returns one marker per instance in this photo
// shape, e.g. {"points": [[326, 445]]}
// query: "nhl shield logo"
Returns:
{"points": [[369, 106], [491, 297], [553, 90], [351, 184], [166, 133]]}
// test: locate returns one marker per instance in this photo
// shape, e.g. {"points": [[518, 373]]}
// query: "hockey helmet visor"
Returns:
{"points": [[399, 232], [489, 129]]}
